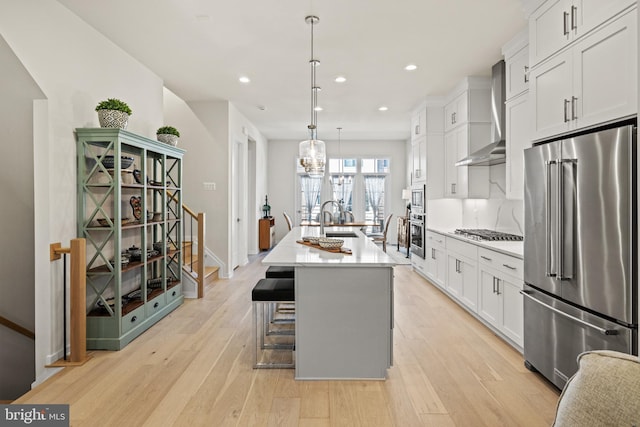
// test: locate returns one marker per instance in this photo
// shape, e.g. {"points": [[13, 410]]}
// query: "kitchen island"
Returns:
{"points": [[344, 306]]}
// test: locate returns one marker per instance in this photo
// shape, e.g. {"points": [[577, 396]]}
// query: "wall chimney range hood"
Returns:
{"points": [[495, 152]]}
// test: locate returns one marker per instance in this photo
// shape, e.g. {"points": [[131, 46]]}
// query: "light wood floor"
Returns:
{"points": [[194, 368]]}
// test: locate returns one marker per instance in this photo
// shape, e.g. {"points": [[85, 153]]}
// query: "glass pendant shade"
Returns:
{"points": [[312, 156]]}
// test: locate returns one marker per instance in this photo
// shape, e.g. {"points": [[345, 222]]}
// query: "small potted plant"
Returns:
{"points": [[113, 113], [168, 135]]}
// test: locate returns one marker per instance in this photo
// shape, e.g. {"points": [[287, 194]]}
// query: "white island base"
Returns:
{"points": [[344, 308]]}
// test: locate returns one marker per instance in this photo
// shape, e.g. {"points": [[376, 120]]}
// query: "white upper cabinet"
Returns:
{"points": [[577, 87], [517, 73], [418, 124], [518, 137], [427, 146], [466, 181], [556, 23], [455, 112]]}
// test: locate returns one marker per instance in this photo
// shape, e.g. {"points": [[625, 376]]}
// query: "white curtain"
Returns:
{"points": [[374, 188], [311, 187]]}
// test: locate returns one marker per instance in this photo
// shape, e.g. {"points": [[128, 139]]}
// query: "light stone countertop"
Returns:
{"points": [[365, 253], [514, 249]]}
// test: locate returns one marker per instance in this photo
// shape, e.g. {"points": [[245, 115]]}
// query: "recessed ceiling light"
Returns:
{"points": [[318, 108], [244, 79], [411, 67], [341, 79], [383, 108]]}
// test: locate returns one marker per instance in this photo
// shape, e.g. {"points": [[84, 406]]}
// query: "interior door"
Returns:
{"points": [[597, 184], [540, 216]]}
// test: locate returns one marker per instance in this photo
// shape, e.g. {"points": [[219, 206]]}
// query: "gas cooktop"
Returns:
{"points": [[484, 234]]}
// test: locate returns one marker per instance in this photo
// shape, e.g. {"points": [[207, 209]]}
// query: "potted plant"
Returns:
{"points": [[168, 135], [113, 113]]}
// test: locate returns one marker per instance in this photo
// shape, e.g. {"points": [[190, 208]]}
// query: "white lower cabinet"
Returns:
{"points": [[485, 282], [436, 258], [462, 272], [500, 302]]}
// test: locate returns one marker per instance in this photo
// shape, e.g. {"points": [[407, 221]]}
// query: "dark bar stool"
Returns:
{"points": [[280, 272], [279, 344]]}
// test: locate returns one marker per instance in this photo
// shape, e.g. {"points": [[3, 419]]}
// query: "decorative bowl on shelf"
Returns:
{"points": [[109, 162], [157, 246], [330, 243], [104, 222], [124, 261]]}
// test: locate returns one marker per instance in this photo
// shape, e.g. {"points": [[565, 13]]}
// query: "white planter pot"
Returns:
{"points": [[168, 138], [113, 119]]}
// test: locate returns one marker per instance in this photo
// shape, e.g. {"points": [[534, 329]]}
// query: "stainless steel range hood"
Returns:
{"points": [[495, 152]]}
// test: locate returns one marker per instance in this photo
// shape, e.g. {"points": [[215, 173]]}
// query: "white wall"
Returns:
{"points": [[282, 175], [75, 67]]}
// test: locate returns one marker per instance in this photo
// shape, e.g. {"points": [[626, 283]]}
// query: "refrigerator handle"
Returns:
{"points": [[568, 316], [547, 268], [560, 219]]}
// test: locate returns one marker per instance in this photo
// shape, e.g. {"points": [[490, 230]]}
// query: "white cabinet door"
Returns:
{"points": [[436, 265], [454, 276], [419, 123], [512, 308], [548, 29], [518, 138], [419, 175], [450, 157], [469, 284], [550, 92], [489, 304], [605, 73], [456, 111], [517, 70], [588, 14], [434, 160]]}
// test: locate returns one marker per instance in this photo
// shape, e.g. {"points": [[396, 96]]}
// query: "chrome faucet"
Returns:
{"points": [[322, 213]]}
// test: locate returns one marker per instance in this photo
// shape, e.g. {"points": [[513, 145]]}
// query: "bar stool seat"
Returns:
{"points": [[273, 349], [280, 272]]}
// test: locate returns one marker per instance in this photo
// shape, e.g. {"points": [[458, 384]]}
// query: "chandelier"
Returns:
{"points": [[342, 179], [312, 151]]}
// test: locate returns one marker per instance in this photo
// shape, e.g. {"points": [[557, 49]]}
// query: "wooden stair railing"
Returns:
{"points": [[199, 219], [17, 328], [77, 297]]}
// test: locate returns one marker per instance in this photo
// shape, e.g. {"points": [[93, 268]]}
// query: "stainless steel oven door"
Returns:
{"points": [[417, 238]]}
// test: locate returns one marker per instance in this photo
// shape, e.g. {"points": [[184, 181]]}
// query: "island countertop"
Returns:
{"points": [[365, 253]]}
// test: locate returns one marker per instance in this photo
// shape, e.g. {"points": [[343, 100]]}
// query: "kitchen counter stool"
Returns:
{"points": [[274, 347]]}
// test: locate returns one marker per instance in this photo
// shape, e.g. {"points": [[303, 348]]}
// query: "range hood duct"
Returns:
{"points": [[494, 153]]}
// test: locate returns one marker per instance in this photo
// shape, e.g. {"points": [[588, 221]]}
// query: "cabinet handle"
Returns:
{"points": [[526, 74], [157, 304], [566, 114], [574, 17], [565, 23], [506, 265], [484, 257], [173, 294], [497, 286], [134, 318], [417, 130], [453, 189], [494, 285], [574, 101], [433, 253], [455, 119]]}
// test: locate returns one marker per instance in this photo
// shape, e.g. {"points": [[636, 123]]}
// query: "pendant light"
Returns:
{"points": [[341, 178], [312, 151]]}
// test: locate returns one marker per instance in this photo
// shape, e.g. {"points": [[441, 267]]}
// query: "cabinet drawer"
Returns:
{"points": [[174, 293], [504, 263], [155, 305], [465, 249], [133, 319], [435, 240]]}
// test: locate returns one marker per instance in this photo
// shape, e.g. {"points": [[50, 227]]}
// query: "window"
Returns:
{"points": [[362, 189]]}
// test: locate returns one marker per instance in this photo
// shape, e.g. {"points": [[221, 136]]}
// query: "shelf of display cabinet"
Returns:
{"points": [[129, 306], [131, 266], [136, 224]]}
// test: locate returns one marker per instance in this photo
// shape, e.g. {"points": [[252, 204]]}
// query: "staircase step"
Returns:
{"points": [[210, 275]]}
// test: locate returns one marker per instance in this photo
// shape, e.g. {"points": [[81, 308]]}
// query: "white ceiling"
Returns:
{"points": [[200, 48]]}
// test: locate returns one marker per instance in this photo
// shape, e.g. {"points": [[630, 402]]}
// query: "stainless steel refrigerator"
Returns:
{"points": [[580, 256]]}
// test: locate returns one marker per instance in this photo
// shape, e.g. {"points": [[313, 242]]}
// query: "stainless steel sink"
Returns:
{"points": [[341, 234]]}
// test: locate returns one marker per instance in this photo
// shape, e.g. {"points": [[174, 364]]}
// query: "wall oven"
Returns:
{"points": [[417, 220]]}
